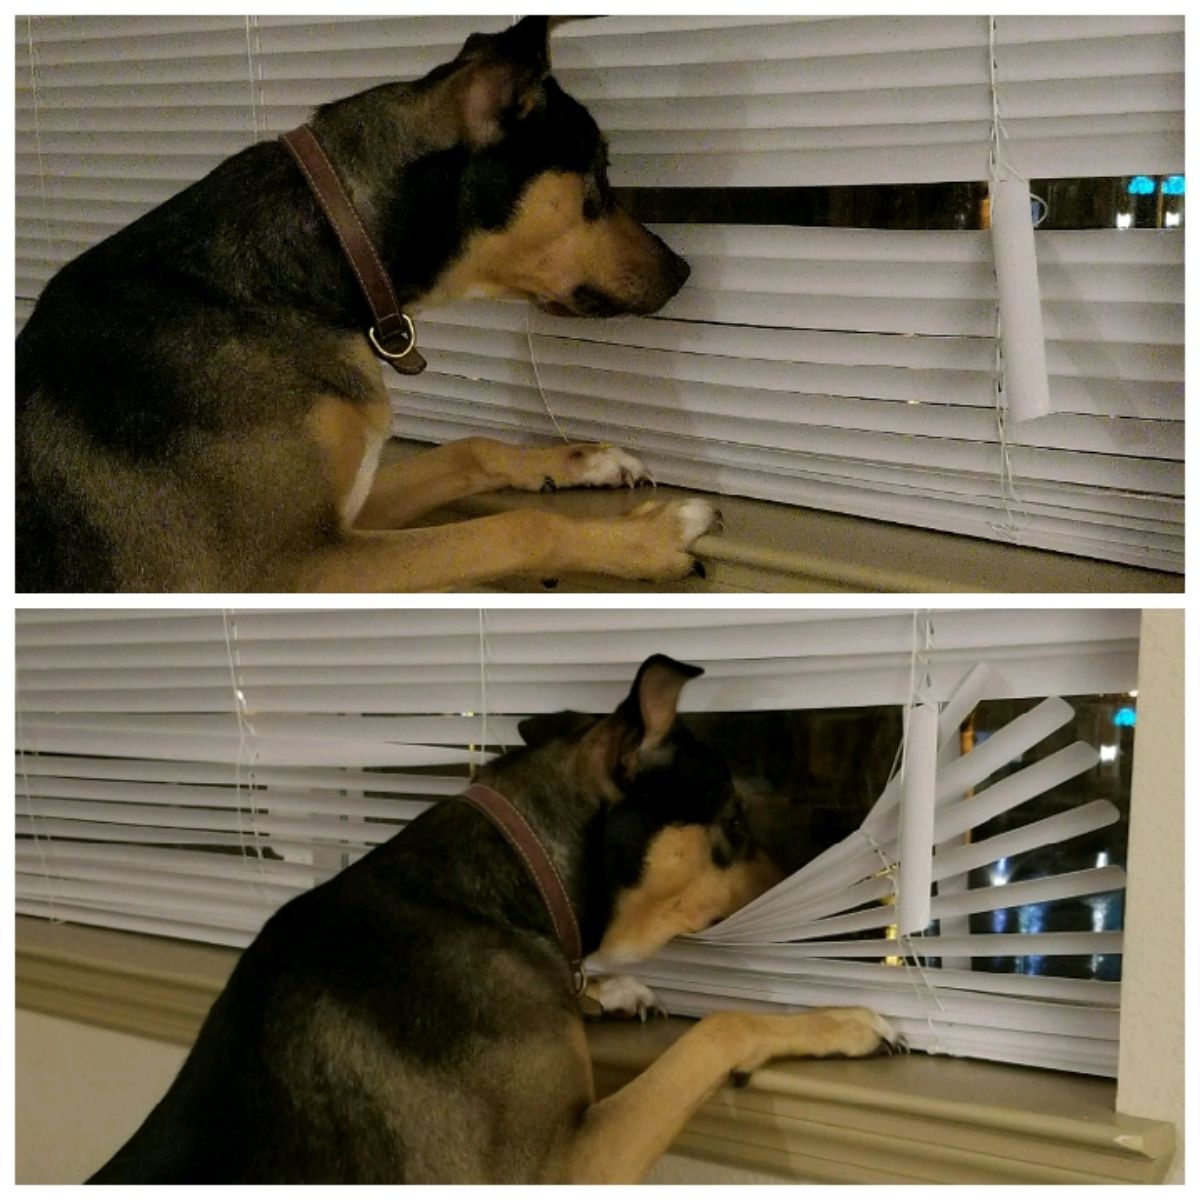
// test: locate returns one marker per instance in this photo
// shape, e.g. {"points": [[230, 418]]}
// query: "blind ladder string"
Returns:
{"points": [[44, 180], [483, 699], [254, 66], [537, 375], [925, 991], [39, 843], [485, 659], [997, 159], [920, 686], [244, 776]]}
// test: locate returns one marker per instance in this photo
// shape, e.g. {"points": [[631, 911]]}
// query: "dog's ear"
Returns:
{"points": [[634, 737], [537, 731], [501, 80]]}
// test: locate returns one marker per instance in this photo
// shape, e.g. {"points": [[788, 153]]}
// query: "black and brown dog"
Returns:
{"points": [[198, 407], [415, 1019]]}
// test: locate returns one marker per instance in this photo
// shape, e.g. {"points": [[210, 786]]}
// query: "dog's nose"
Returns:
{"points": [[677, 271]]}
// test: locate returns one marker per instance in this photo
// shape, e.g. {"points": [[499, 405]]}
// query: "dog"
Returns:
{"points": [[199, 406], [416, 1018]]}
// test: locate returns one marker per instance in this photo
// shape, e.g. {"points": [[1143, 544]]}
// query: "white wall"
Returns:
{"points": [[80, 1092], [1151, 1079]]}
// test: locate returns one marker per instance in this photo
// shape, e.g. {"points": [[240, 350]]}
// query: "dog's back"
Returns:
{"points": [[373, 1032], [152, 452], [198, 408]]}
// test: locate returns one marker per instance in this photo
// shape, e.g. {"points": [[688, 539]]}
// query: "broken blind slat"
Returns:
{"points": [[152, 797], [845, 370], [820, 936]]}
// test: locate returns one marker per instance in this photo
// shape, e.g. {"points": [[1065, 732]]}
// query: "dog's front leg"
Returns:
{"points": [[651, 542], [405, 490], [621, 1137]]}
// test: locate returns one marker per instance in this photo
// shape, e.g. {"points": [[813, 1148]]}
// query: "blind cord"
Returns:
{"points": [[34, 816], [537, 375], [254, 64], [44, 181], [485, 659], [247, 748], [1009, 528]]}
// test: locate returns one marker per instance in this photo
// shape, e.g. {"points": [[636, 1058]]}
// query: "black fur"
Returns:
{"points": [[409, 1020], [163, 368]]}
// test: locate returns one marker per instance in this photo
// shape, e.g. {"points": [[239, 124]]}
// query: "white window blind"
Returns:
{"points": [[843, 369], [184, 773]]}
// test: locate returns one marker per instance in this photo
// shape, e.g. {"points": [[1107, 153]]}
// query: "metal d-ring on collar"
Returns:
{"points": [[391, 356], [542, 872], [391, 334]]}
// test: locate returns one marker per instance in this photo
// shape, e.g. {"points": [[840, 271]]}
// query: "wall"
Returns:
{"points": [[1152, 995], [81, 1091]]}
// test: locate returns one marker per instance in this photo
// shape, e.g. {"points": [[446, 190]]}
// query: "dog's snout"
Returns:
{"points": [[673, 269], [678, 270]]}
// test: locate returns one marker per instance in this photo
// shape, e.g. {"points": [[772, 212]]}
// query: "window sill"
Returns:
{"points": [[769, 547], [908, 1119], [901, 1120]]}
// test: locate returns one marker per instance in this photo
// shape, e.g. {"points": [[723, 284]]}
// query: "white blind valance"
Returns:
{"points": [[184, 773], [842, 369]]}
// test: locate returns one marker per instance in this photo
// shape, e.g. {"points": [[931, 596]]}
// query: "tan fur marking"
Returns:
{"points": [[621, 1137], [681, 891], [648, 543], [349, 434], [548, 249], [409, 488]]}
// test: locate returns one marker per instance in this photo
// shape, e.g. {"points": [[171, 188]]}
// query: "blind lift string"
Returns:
{"points": [[254, 65], [914, 970], [35, 75], [537, 375], [485, 658], [39, 842], [247, 746], [996, 160]]}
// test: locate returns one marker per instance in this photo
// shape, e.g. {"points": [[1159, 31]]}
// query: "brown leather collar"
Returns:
{"points": [[541, 870], [392, 335]]}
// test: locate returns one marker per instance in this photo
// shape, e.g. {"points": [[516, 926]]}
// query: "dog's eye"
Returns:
{"points": [[597, 197], [597, 194], [736, 832], [593, 206]]}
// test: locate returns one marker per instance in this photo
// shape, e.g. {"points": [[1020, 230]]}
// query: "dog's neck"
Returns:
{"points": [[566, 817], [397, 156]]}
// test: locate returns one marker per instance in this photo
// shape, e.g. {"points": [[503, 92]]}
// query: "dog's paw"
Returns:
{"points": [[549, 468], [815, 1033], [855, 1033], [622, 996], [661, 534], [697, 517], [604, 467]]}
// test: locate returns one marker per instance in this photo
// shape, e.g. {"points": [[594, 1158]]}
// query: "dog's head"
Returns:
{"points": [[668, 851], [510, 195]]}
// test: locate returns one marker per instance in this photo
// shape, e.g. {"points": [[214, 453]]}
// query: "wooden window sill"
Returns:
{"points": [[769, 547], [901, 1120]]}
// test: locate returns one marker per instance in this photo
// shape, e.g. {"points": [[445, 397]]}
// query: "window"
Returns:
{"points": [[812, 776], [836, 347], [183, 773]]}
